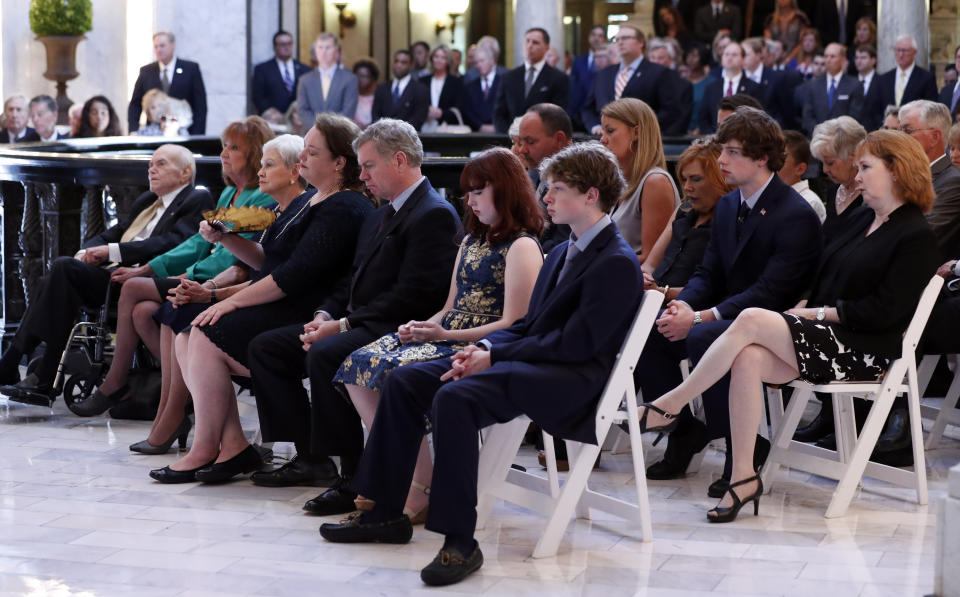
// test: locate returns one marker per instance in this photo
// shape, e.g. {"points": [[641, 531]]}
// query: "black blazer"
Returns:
{"points": [[651, 82], [770, 264], [705, 26], [178, 222], [401, 272], [187, 84], [778, 91], [848, 101], [714, 93], [567, 342], [451, 96], [551, 86], [921, 85], [31, 135], [267, 89], [476, 110], [412, 106], [876, 281], [946, 98], [944, 218]]}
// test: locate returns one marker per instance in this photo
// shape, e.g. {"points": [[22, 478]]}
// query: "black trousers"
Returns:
{"points": [[941, 336], [70, 285], [327, 422], [458, 410]]}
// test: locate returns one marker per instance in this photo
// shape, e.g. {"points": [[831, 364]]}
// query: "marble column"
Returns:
{"points": [[902, 17], [547, 14]]}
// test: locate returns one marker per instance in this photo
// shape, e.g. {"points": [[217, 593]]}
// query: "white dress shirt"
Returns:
{"points": [[114, 248]]}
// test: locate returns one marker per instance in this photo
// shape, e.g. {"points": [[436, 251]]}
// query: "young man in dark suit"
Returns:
{"points": [[633, 77], [534, 82], [765, 245], [274, 82], [403, 98], [833, 94], [550, 365], [177, 77], [159, 220], [584, 69], [732, 81], [907, 81], [401, 272]]}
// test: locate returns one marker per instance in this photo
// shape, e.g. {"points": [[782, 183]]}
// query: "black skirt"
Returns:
{"points": [[179, 318], [822, 358]]}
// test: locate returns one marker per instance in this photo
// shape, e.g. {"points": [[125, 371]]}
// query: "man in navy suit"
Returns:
{"points": [[906, 82], [765, 244], [550, 365], [633, 77], [401, 271], [717, 16], [402, 98], [534, 82], [583, 70], [833, 94], [43, 113], [950, 94], [274, 82], [328, 88], [732, 81], [177, 77], [480, 94], [777, 86], [15, 117]]}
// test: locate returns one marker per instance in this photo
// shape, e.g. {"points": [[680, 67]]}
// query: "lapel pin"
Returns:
{"points": [[763, 212], [179, 71]]}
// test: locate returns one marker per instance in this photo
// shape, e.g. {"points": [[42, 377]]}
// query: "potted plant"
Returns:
{"points": [[59, 26]]}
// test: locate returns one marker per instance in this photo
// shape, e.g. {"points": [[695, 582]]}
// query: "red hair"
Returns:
{"points": [[513, 196]]}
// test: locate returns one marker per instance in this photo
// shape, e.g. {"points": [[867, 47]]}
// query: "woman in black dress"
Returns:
{"points": [[833, 143], [867, 290], [292, 278]]}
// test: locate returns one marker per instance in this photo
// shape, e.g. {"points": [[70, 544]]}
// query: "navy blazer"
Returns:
{"points": [[946, 98], [770, 265], [451, 96], [267, 89], [921, 85], [187, 84], [412, 106], [652, 83], [581, 80], [551, 86], [34, 137], [565, 346], [714, 93], [178, 222], [705, 25], [402, 270], [848, 101], [476, 110], [30, 135], [778, 87]]}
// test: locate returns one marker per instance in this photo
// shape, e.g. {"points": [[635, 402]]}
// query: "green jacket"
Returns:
{"points": [[196, 257]]}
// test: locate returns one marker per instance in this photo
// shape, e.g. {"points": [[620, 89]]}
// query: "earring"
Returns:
{"points": [[292, 181]]}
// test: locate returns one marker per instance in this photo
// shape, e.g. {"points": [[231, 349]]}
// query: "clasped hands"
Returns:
{"points": [[472, 359], [188, 292], [420, 331], [675, 321]]}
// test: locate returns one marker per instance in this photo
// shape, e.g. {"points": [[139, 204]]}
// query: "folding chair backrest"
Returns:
{"points": [[620, 382], [911, 338]]}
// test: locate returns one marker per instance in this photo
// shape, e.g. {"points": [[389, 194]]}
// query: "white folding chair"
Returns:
{"points": [[946, 413], [850, 461], [546, 495]]}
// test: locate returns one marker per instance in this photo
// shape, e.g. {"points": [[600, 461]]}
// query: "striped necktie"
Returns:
{"points": [[621, 82]]}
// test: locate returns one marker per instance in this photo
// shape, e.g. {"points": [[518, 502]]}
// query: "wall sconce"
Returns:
{"points": [[440, 26], [347, 17]]}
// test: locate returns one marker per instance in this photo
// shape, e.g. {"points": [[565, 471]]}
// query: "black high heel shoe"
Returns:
{"points": [[179, 435], [662, 429], [730, 514], [169, 475]]}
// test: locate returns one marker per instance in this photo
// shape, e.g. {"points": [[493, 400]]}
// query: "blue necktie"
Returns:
{"points": [[831, 92], [956, 96], [287, 78], [396, 93]]}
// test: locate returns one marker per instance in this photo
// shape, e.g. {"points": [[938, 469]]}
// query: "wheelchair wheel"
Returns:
{"points": [[79, 387]]}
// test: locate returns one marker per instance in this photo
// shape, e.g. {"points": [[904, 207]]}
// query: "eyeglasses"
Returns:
{"points": [[623, 38], [910, 131], [903, 50], [166, 118]]}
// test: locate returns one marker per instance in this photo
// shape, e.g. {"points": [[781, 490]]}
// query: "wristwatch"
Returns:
{"points": [[696, 317], [344, 325], [821, 313]]}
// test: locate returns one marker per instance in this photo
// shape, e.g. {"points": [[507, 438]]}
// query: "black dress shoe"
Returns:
{"points": [[336, 500], [898, 458], [137, 408], [298, 472], [450, 566], [355, 530], [820, 426], [896, 433], [827, 442], [682, 445], [98, 402], [248, 460], [30, 391], [169, 475]]}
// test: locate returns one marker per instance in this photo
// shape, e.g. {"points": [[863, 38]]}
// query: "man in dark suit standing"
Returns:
{"points": [[159, 220], [480, 94], [950, 94], [778, 86], [535, 82], [765, 244], [865, 60], [582, 72], [402, 98], [732, 81], [15, 120], [177, 78], [329, 87], [715, 17], [274, 82], [633, 77], [550, 365], [906, 82], [401, 271], [43, 113], [833, 94]]}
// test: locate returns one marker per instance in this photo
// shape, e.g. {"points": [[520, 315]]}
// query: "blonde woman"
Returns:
{"points": [[629, 129]]}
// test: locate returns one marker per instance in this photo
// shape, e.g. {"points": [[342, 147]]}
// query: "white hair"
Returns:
{"points": [[932, 114], [838, 137], [183, 157], [905, 37], [181, 110], [492, 43], [288, 146]]}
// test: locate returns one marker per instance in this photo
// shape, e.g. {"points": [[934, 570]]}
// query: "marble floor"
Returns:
{"points": [[80, 517]]}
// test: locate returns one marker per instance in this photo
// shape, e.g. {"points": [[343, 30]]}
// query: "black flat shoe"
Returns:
{"points": [[179, 435], [820, 426], [683, 445], [336, 500], [169, 475], [450, 566], [248, 460], [730, 514], [355, 530], [298, 472], [98, 402]]}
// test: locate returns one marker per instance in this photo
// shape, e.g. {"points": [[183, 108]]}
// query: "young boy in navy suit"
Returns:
{"points": [[550, 365]]}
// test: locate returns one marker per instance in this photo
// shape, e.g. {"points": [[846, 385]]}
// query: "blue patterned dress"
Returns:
{"points": [[479, 301]]}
